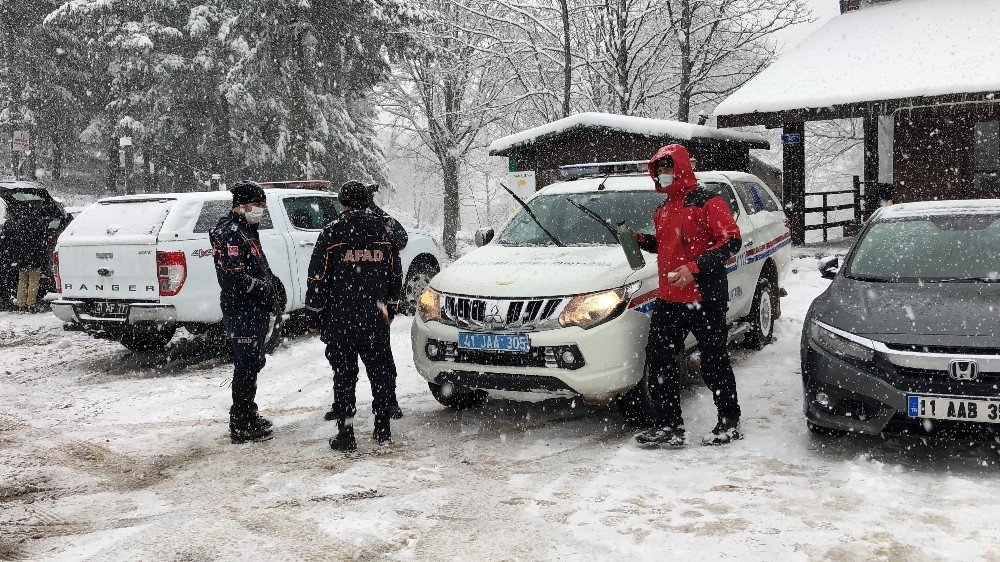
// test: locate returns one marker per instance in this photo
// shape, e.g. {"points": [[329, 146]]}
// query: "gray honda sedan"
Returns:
{"points": [[907, 337]]}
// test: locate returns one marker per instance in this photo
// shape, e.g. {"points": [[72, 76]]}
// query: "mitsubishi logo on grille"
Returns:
{"points": [[494, 317], [963, 370]]}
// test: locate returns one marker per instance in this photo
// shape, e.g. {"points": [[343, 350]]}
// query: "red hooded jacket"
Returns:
{"points": [[694, 227]]}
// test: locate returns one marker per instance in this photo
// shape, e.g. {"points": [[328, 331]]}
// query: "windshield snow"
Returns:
{"points": [[574, 228], [942, 248]]}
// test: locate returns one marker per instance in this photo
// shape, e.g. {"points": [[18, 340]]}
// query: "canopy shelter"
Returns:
{"points": [[921, 74], [603, 137]]}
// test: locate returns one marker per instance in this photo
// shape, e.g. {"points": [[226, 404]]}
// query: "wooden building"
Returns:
{"points": [[922, 75], [601, 137]]}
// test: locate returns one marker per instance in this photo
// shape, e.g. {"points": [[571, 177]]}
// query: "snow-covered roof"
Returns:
{"points": [[636, 125], [928, 208], [899, 50]]}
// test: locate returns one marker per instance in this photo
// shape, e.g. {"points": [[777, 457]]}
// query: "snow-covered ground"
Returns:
{"points": [[118, 456]]}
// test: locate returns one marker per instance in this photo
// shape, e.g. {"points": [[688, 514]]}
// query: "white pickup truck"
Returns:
{"points": [[136, 268]]}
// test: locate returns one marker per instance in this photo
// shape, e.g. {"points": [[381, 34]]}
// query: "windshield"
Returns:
{"points": [[937, 248], [572, 227]]}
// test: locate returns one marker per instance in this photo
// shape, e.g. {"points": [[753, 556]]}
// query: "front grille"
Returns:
{"points": [[501, 315], [944, 350], [938, 382]]}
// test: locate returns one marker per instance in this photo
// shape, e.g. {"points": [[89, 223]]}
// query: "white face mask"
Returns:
{"points": [[254, 215], [665, 179]]}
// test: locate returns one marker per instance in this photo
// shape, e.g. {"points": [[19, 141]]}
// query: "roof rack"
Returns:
{"points": [[576, 171]]}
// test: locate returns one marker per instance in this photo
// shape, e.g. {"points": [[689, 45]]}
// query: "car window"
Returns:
{"points": [[929, 248], [751, 201], [573, 227], [311, 212], [212, 211], [727, 193], [763, 195]]}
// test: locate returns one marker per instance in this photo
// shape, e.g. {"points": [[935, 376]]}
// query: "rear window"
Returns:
{"points": [[122, 218], [212, 211]]}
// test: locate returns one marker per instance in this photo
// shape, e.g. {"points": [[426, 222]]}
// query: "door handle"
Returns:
{"points": [[305, 243]]}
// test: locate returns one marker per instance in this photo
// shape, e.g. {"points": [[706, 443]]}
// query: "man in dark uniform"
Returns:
{"points": [[353, 292], [695, 235], [399, 238], [250, 293]]}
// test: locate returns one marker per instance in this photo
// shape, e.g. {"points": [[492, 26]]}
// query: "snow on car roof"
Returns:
{"points": [[925, 208], [637, 125], [899, 50], [630, 182], [200, 195]]}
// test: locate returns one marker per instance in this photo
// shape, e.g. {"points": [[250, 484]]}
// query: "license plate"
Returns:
{"points": [[514, 343], [982, 410], [109, 309]]}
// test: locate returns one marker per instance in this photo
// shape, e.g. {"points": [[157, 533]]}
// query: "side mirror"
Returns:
{"points": [[829, 267], [484, 236]]}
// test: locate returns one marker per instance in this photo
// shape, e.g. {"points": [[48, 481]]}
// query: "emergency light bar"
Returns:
{"points": [[574, 171], [319, 185]]}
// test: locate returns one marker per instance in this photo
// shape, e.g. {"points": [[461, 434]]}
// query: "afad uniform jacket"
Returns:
{"points": [[693, 227], [355, 271], [245, 278]]}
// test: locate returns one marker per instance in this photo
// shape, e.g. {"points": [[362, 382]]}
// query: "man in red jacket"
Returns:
{"points": [[695, 235]]}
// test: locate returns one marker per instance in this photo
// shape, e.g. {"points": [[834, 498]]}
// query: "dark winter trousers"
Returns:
{"points": [[246, 330], [668, 329], [372, 345]]}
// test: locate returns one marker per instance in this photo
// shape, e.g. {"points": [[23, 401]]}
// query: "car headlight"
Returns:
{"points": [[587, 311], [429, 305], [841, 343]]}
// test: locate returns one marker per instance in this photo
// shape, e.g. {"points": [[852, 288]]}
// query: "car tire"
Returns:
{"points": [[761, 318], [147, 341], [417, 279], [824, 431], [636, 406], [448, 395]]}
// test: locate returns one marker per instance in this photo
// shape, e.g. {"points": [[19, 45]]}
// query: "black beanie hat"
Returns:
{"points": [[355, 195], [247, 192]]}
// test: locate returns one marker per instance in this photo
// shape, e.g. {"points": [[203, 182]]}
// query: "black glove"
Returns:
{"points": [[279, 298]]}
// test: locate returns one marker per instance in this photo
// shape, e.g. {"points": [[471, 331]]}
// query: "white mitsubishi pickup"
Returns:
{"points": [[136, 268], [563, 313]]}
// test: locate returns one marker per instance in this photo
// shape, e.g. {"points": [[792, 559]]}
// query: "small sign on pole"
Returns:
{"points": [[791, 138], [20, 141], [522, 183]]}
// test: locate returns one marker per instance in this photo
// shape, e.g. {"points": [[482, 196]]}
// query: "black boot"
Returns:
{"points": [[262, 422], [382, 435], [666, 436], [344, 440], [247, 431], [725, 432], [332, 414]]}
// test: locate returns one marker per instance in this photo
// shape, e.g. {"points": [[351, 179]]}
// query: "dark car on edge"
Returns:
{"points": [[23, 198], [906, 339]]}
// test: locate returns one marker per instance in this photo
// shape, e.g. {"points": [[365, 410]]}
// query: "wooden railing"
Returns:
{"points": [[826, 208]]}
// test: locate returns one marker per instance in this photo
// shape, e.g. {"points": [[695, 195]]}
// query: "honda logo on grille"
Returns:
{"points": [[963, 370]]}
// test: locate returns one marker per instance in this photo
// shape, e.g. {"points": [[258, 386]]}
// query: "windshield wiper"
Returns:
{"points": [[533, 217], [871, 279], [598, 218], [968, 280]]}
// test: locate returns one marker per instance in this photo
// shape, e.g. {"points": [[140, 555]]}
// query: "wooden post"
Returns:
{"points": [[793, 171], [857, 200], [825, 216]]}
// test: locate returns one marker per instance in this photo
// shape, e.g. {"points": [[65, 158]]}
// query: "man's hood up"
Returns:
{"points": [[684, 180]]}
